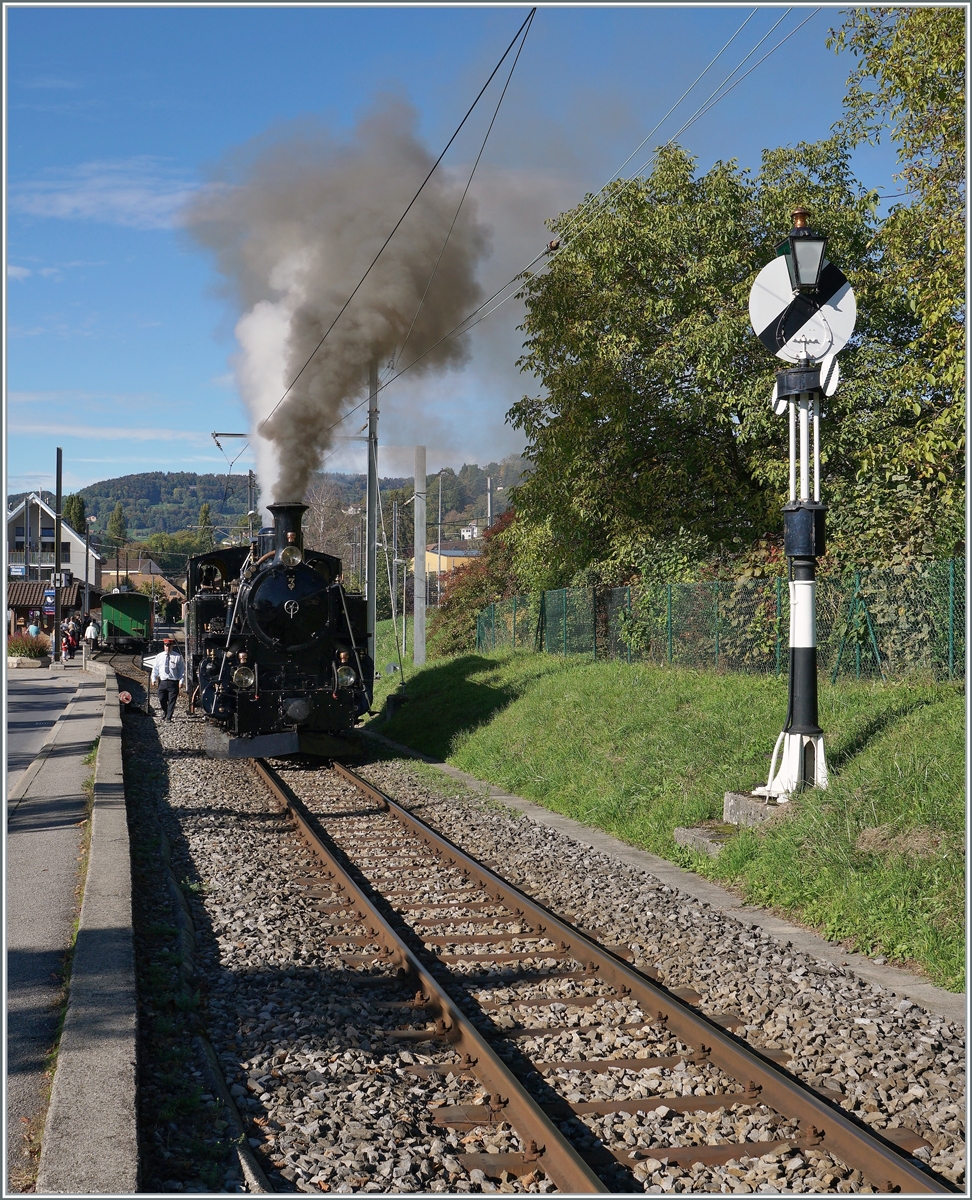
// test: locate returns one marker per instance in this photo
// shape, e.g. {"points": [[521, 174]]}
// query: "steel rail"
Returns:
{"points": [[509, 1101], [822, 1123]]}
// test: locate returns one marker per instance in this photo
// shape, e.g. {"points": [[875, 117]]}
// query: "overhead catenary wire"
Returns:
{"points": [[394, 363], [398, 223], [477, 315]]}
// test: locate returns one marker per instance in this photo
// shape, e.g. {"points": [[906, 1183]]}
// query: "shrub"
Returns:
{"points": [[25, 646]]}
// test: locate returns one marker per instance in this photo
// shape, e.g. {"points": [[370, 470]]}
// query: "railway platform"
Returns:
{"points": [[54, 720]]}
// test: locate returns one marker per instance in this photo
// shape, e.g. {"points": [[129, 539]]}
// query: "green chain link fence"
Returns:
{"points": [[871, 625]]}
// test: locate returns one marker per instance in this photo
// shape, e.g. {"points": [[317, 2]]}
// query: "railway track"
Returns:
{"points": [[504, 991]]}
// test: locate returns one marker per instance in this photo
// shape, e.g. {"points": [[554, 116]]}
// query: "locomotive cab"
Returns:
{"points": [[276, 649]]}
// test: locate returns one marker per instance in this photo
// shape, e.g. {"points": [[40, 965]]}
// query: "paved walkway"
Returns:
{"points": [[54, 717]]}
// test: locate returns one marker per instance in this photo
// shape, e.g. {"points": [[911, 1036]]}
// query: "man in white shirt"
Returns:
{"points": [[168, 670]]}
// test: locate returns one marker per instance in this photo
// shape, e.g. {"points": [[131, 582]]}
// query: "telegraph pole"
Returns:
{"points": [[418, 575], [394, 562], [371, 565], [489, 501], [438, 562], [57, 561]]}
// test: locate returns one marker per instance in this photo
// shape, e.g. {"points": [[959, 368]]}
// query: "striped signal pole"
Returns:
{"points": [[803, 310]]}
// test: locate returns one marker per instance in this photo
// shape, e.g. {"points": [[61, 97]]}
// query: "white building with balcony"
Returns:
{"points": [[30, 545]]}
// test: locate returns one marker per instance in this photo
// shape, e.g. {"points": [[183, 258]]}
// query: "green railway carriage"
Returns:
{"points": [[126, 620]]}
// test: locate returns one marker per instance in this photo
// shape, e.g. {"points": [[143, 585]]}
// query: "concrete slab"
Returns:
{"points": [[44, 809], [90, 1137], [951, 1005]]}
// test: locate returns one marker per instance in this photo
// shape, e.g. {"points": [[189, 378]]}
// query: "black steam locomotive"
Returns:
{"points": [[276, 649]]}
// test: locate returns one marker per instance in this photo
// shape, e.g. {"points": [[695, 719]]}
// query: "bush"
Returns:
{"points": [[25, 646]]}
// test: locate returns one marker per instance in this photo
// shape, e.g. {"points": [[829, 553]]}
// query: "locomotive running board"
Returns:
{"points": [[267, 745]]}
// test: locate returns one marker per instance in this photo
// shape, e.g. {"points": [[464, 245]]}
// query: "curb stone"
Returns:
{"points": [[90, 1139], [951, 1005]]}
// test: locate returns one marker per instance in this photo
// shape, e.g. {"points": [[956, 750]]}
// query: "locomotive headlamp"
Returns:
{"points": [[346, 677], [290, 556], [243, 677], [804, 252]]}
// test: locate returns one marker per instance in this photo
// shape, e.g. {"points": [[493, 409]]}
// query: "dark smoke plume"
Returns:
{"points": [[293, 223]]}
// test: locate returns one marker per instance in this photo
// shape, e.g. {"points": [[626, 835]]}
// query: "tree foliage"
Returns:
{"points": [[654, 414], [470, 588], [117, 525], [73, 513]]}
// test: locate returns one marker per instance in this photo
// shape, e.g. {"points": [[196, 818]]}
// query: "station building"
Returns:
{"points": [[30, 546]]}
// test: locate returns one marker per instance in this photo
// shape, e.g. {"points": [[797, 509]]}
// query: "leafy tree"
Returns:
{"points": [[73, 513], [205, 537], [470, 588], [909, 81], [117, 525], [655, 416]]}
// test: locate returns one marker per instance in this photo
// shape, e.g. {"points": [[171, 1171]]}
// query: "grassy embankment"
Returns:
{"points": [[877, 861]]}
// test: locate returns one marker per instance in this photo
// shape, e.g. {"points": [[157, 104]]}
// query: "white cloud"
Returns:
{"points": [[18, 272], [111, 433], [144, 192]]}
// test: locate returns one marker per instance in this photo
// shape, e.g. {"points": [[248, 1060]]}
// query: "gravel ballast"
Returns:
{"points": [[331, 1102]]}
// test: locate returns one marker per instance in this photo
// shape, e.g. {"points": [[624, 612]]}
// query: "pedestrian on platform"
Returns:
{"points": [[33, 629], [168, 670], [91, 634]]}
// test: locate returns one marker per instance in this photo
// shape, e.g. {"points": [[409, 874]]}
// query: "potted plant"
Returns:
{"points": [[26, 651]]}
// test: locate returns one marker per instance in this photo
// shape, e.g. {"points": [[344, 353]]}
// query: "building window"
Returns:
{"points": [[19, 531], [65, 549]]}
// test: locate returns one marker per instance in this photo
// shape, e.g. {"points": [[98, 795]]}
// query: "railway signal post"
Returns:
{"points": [[803, 310]]}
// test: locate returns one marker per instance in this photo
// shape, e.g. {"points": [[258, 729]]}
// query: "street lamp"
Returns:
{"points": [[804, 252]]}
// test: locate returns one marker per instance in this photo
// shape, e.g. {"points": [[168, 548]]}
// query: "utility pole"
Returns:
{"points": [[371, 569], [87, 558], [418, 574], [489, 501], [57, 561], [250, 500], [394, 562], [438, 564]]}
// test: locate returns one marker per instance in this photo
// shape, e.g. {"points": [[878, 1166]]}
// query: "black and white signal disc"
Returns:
{"points": [[803, 326]]}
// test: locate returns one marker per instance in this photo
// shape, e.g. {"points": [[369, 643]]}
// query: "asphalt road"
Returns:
{"points": [[35, 699]]}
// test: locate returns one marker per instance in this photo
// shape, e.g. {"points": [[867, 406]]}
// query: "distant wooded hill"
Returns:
{"points": [[168, 501]]}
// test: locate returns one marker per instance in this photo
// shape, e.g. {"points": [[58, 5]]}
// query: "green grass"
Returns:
{"points": [[638, 750]]}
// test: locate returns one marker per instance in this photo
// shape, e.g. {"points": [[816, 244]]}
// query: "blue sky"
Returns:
{"points": [[120, 340]]}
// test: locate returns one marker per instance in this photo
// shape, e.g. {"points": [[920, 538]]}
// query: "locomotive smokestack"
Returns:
{"points": [[286, 520]]}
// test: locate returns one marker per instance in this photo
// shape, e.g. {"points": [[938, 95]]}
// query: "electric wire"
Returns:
{"points": [[397, 358], [468, 322], [398, 223]]}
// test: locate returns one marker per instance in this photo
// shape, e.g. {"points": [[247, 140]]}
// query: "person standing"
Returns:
{"points": [[91, 634], [169, 671]]}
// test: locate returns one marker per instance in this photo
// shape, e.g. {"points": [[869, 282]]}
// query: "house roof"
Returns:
{"points": [[29, 593], [65, 527]]}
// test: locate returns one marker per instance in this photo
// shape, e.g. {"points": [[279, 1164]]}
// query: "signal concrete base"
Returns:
{"points": [[744, 808]]}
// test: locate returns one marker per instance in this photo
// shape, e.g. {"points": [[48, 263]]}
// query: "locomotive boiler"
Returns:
{"points": [[276, 649]]}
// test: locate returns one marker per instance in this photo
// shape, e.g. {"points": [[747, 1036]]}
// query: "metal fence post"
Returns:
{"points": [[493, 617], [564, 591], [951, 618], [514, 622], [594, 622], [628, 590], [779, 622], [716, 586], [857, 641], [669, 623]]}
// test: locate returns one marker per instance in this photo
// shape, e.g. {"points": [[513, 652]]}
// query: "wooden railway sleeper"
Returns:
{"points": [[561, 1162], [858, 1146]]}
